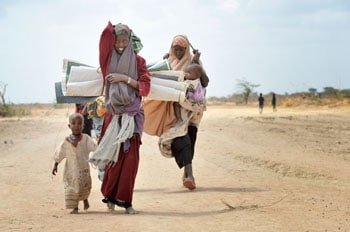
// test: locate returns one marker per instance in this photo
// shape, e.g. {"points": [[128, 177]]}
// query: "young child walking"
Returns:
{"points": [[75, 148]]}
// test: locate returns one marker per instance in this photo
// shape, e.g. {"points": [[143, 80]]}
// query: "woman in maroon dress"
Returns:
{"points": [[127, 80]]}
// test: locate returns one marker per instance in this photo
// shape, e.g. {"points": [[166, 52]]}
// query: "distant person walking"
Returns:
{"points": [[261, 103], [273, 102]]}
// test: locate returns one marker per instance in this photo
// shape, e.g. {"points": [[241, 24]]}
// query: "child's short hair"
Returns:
{"points": [[75, 115], [196, 68]]}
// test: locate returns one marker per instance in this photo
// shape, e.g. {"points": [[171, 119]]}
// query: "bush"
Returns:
{"points": [[13, 110]]}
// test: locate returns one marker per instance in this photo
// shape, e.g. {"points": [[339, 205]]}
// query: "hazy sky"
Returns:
{"points": [[283, 45]]}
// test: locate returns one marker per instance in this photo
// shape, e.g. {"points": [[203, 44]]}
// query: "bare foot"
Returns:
{"points": [[74, 211], [130, 210], [189, 183], [86, 204], [110, 206]]}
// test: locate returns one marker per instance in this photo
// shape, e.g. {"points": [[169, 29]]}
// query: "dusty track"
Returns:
{"points": [[282, 171]]}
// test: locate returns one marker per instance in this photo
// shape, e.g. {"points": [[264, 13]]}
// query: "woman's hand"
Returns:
{"points": [[196, 55], [116, 77], [166, 56]]}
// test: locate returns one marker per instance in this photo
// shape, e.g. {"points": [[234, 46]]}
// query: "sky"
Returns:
{"points": [[284, 46]]}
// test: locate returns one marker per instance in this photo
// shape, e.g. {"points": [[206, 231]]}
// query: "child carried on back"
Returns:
{"points": [[185, 87], [195, 93]]}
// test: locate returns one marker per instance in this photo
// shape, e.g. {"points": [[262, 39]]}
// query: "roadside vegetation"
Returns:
{"points": [[245, 95]]}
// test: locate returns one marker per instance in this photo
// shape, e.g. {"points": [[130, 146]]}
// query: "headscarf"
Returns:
{"points": [[122, 29], [176, 64], [119, 95], [180, 41], [136, 42]]}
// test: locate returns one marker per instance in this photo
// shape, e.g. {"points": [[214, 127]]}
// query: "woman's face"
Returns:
{"points": [[121, 42], [179, 51]]}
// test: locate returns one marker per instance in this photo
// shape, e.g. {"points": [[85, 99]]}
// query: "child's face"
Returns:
{"points": [[76, 126], [121, 42], [191, 74]]}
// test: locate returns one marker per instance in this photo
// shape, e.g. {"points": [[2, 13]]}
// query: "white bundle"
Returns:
{"points": [[83, 81], [167, 86]]}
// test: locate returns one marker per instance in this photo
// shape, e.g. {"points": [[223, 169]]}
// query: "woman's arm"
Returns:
{"points": [[105, 47], [144, 77], [142, 84]]}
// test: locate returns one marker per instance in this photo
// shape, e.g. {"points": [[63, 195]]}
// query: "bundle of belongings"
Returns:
{"points": [[83, 83], [169, 85], [79, 83]]}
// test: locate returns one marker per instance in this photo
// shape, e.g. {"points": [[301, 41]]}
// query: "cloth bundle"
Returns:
{"points": [[79, 79], [170, 86], [167, 86]]}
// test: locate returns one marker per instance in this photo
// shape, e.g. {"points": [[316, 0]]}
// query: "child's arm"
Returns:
{"points": [[54, 169], [195, 59], [204, 79], [59, 155], [196, 55]]}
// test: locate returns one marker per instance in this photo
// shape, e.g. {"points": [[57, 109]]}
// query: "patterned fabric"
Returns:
{"points": [[195, 96], [96, 108], [136, 42]]}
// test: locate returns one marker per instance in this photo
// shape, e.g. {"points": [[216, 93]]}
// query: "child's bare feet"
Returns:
{"points": [[86, 204], [74, 211], [130, 210]]}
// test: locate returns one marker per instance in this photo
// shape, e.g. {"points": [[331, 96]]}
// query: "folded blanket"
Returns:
{"points": [[82, 81]]}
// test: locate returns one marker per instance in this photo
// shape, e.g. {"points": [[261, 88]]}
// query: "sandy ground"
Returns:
{"points": [[282, 171]]}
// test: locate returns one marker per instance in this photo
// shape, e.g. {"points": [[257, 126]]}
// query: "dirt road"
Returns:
{"points": [[282, 171]]}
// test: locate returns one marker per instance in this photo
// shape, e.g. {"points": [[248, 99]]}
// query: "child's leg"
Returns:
{"points": [[74, 211], [71, 203], [86, 204]]}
